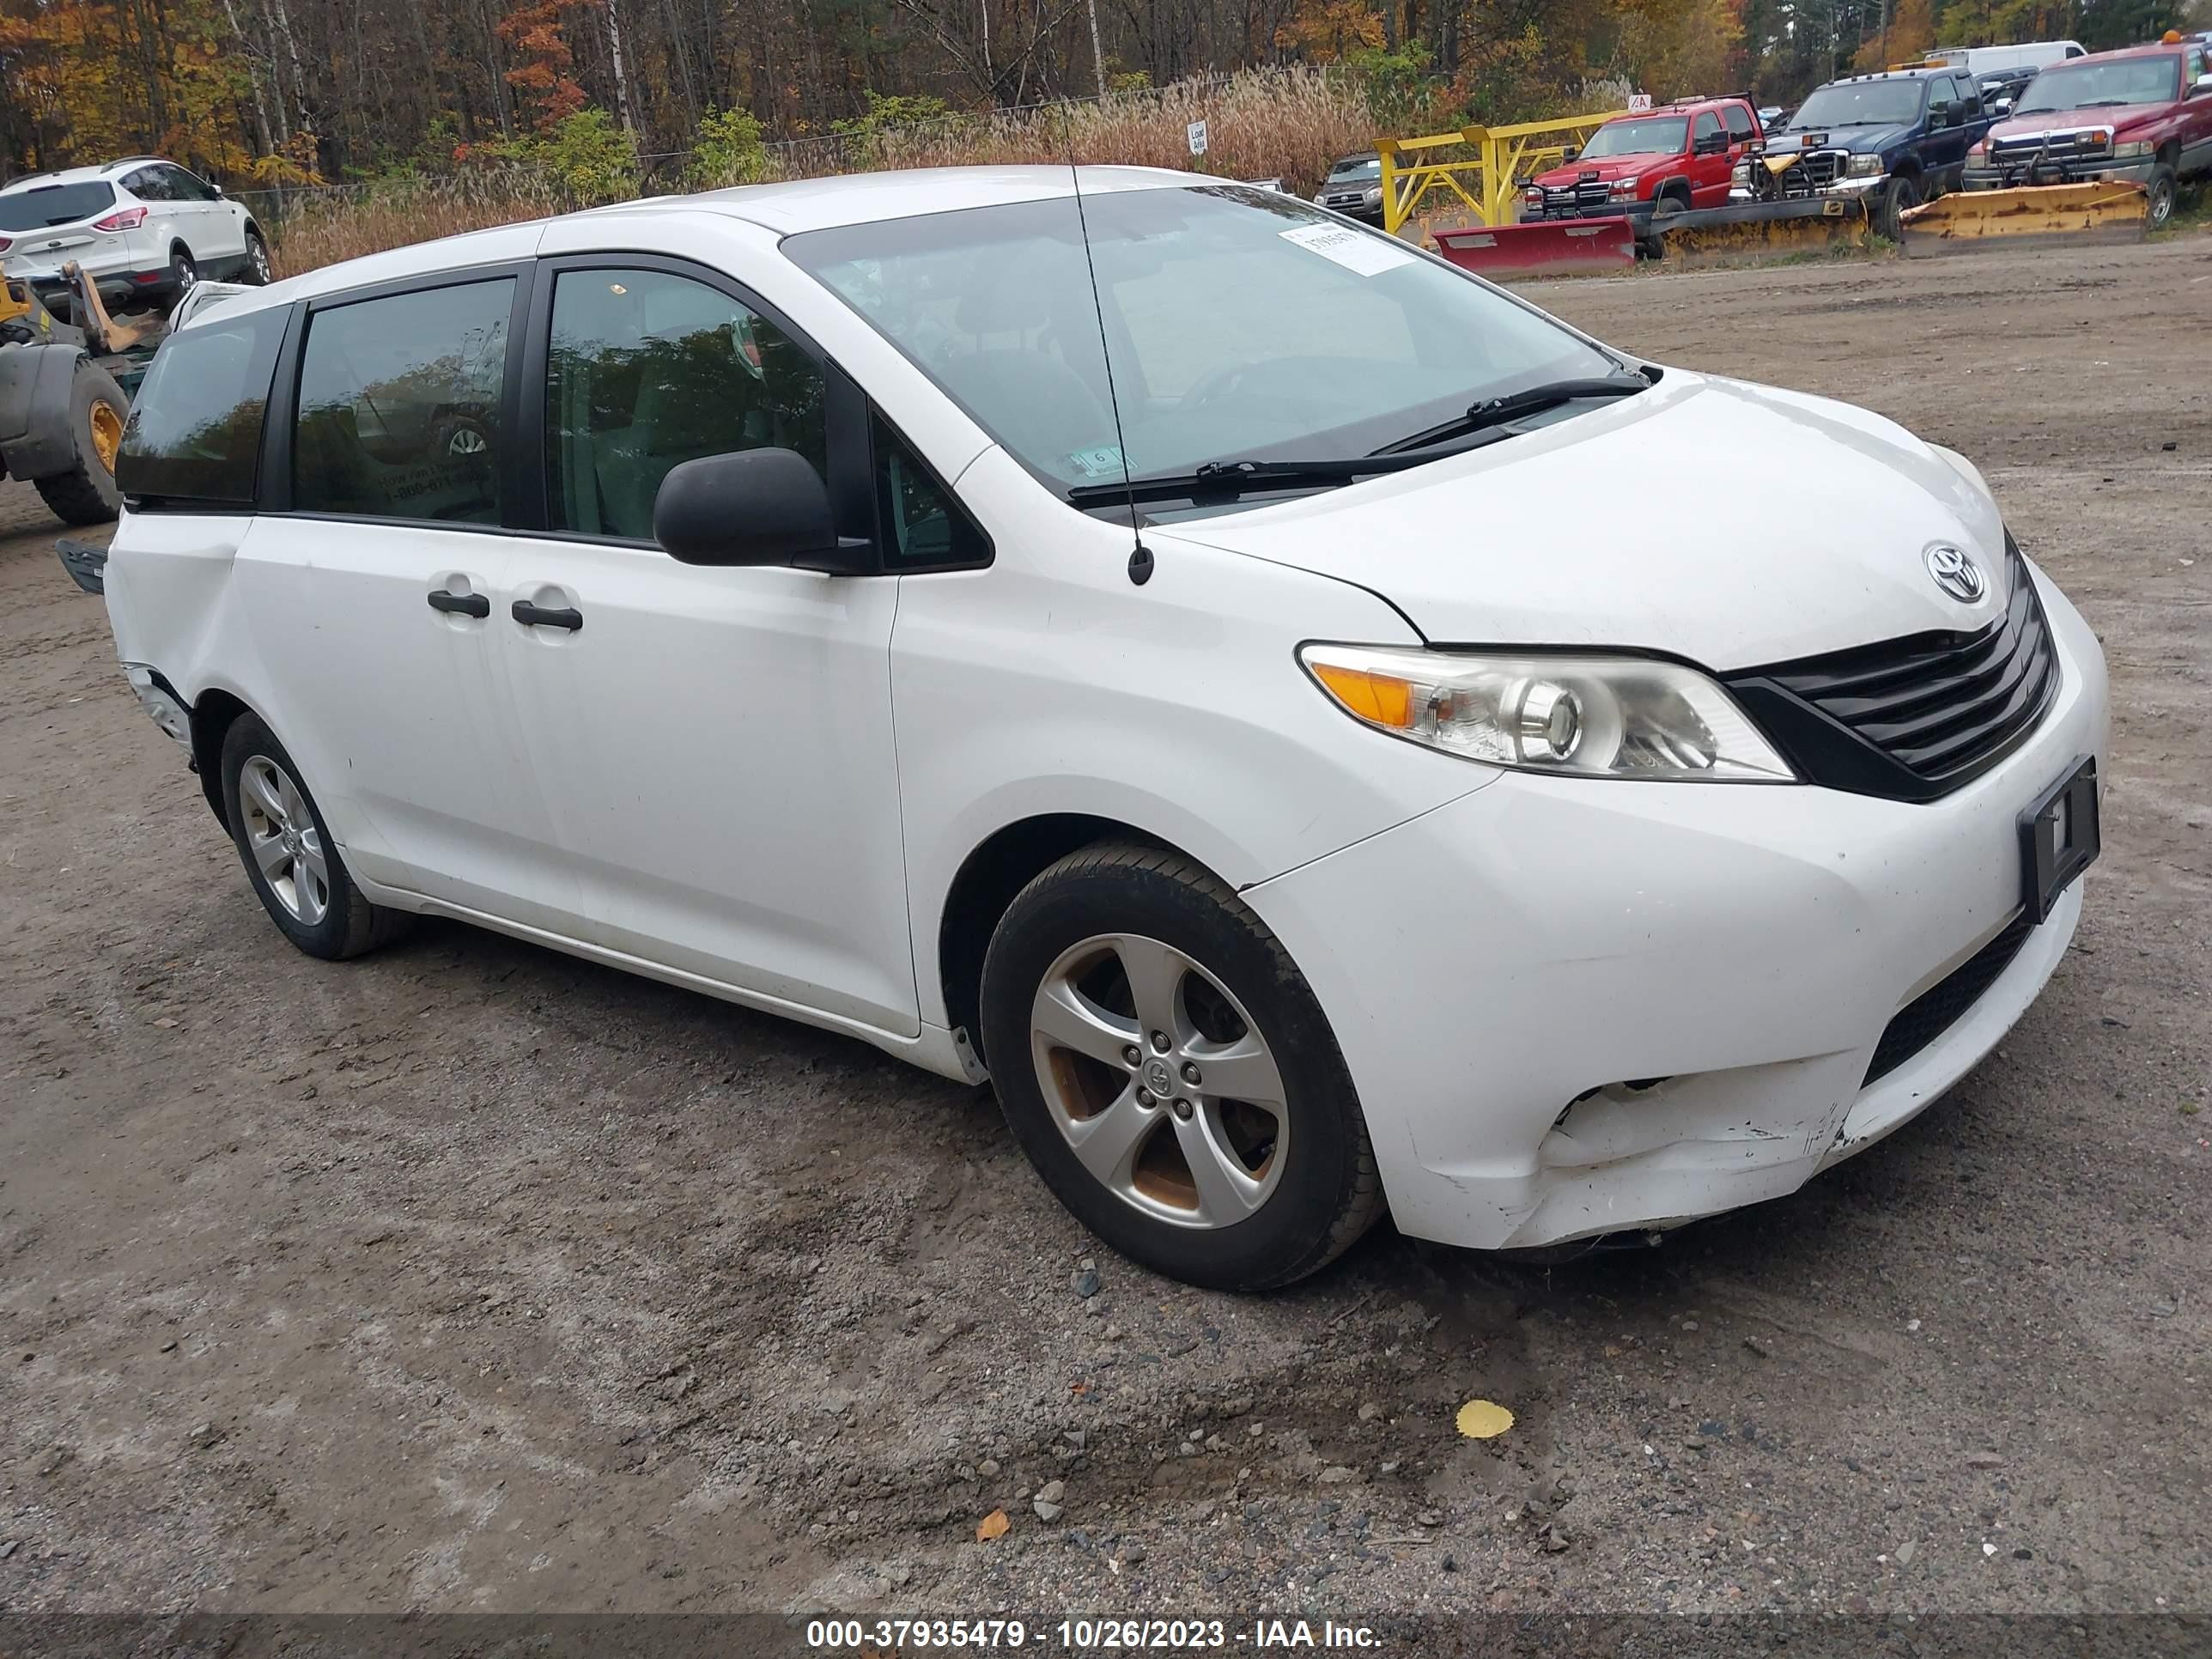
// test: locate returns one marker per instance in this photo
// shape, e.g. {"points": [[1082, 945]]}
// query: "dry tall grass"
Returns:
{"points": [[1262, 123], [324, 226]]}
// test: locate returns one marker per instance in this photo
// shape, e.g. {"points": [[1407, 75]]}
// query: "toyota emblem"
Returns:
{"points": [[1955, 572]]}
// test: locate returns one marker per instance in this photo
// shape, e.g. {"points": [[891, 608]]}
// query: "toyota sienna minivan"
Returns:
{"points": [[1258, 695]]}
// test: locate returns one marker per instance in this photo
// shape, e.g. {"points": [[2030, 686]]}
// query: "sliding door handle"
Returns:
{"points": [[537, 616]]}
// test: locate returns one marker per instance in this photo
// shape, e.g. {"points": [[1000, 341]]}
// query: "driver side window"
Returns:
{"points": [[648, 370]]}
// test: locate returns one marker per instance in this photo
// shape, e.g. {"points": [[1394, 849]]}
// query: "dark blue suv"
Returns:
{"points": [[1894, 139]]}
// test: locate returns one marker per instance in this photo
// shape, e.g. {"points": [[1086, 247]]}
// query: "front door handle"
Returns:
{"points": [[461, 604], [537, 616]]}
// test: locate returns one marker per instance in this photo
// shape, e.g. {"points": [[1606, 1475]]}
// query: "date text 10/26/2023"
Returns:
{"points": [[1101, 1635]]}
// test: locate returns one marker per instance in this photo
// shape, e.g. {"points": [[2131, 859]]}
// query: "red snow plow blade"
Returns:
{"points": [[1556, 248]]}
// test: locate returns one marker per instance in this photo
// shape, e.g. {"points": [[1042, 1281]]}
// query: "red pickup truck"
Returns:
{"points": [[1648, 164], [2142, 114]]}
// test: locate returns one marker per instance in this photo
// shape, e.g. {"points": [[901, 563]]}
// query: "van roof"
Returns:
{"points": [[786, 208]]}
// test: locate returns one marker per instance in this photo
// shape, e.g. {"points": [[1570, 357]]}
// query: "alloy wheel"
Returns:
{"points": [[257, 252], [281, 835], [1160, 1081]]}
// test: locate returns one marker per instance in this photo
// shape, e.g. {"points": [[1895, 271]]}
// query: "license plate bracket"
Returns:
{"points": [[2059, 838]]}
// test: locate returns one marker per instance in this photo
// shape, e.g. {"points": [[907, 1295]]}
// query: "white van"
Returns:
{"points": [[1263, 696], [2036, 54]]}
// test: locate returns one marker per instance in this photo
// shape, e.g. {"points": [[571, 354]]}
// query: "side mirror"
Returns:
{"points": [[2001, 108], [2202, 85], [1573, 152], [754, 507]]}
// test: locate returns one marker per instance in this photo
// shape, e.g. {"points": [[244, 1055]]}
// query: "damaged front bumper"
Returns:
{"points": [[1627, 1006]]}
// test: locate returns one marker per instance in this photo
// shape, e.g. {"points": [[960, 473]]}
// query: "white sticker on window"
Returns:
{"points": [[1355, 250], [1101, 463]]}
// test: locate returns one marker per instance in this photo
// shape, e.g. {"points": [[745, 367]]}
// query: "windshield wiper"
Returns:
{"points": [[1491, 412], [1227, 480]]}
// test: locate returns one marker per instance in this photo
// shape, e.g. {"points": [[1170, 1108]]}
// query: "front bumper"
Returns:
{"points": [[1574, 1007], [2059, 170], [1640, 211], [1863, 186]]}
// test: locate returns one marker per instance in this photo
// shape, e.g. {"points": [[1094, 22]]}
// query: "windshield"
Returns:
{"points": [[43, 205], [1244, 326], [1662, 135], [1860, 104], [1345, 172], [2124, 81]]}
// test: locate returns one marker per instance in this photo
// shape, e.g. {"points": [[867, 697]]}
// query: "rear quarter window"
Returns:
{"points": [[195, 432]]}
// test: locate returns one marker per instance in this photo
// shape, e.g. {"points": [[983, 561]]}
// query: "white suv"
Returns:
{"points": [[144, 230], [1165, 646]]}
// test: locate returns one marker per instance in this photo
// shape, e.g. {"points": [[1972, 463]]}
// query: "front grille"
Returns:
{"points": [[1572, 201], [1916, 718], [1820, 168], [1942, 1006]]}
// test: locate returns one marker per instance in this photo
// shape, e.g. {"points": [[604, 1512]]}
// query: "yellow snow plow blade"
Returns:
{"points": [[2113, 211]]}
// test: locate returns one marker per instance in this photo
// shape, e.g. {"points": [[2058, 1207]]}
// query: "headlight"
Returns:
{"points": [[1605, 717], [1977, 151], [1740, 173], [1864, 166], [1374, 195], [1624, 187], [2131, 152]]}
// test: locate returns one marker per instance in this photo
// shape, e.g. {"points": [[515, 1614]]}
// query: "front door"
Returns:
{"points": [[1708, 166], [715, 744]]}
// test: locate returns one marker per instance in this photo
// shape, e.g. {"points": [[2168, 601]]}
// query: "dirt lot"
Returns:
{"points": [[471, 1277]]}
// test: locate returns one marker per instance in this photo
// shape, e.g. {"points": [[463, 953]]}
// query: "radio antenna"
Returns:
{"points": [[1141, 556]]}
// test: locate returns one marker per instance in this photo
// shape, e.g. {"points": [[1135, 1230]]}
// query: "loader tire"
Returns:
{"points": [[86, 492], [2158, 192]]}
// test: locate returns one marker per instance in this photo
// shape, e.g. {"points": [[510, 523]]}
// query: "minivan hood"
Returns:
{"points": [[1730, 524]]}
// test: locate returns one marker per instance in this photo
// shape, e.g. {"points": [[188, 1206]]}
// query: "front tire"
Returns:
{"points": [[1169, 1074], [291, 859], [2159, 191], [259, 271], [87, 493], [1896, 196]]}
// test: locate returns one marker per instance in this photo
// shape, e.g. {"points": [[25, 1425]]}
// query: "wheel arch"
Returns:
{"points": [[986, 884], [213, 715]]}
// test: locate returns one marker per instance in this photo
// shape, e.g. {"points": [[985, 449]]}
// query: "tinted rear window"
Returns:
{"points": [[195, 431], [42, 205]]}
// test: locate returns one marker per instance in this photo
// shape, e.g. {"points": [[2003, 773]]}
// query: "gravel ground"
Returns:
{"points": [[471, 1277]]}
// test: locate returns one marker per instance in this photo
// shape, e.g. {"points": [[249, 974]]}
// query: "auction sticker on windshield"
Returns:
{"points": [[1355, 250]]}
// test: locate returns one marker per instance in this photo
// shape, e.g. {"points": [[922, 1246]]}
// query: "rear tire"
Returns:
{"points": [[86, 493], [184, 275], [291, 862], [1237, 1191], [2159, 191]]}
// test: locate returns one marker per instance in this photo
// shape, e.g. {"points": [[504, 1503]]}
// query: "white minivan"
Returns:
{"points": [[1280, 707]]}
